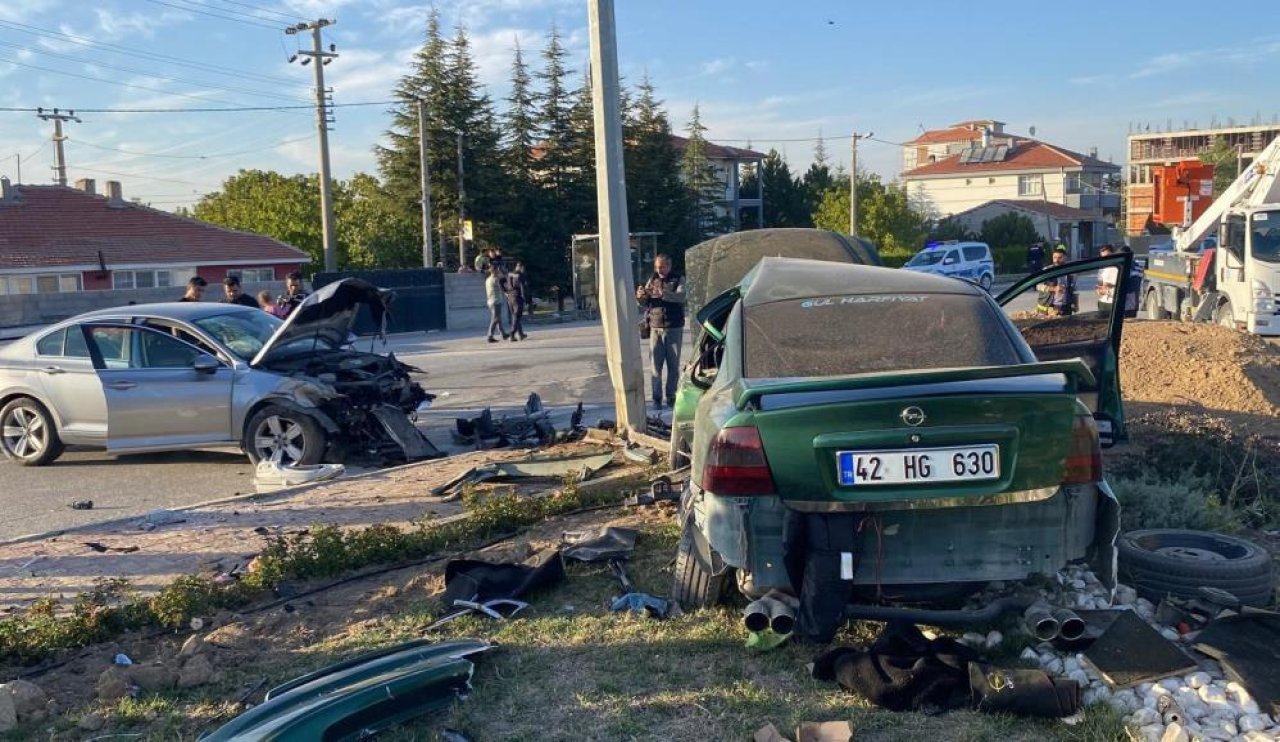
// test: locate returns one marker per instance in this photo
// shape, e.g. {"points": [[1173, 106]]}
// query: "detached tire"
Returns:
{"points": [[693, 586], [1159, 562]]}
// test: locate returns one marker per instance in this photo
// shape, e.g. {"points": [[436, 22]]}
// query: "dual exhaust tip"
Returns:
{"points": [[1046, 623], [775, 611]]}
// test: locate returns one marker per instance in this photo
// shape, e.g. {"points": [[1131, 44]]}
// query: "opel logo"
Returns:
{"points": [[913, 416]]}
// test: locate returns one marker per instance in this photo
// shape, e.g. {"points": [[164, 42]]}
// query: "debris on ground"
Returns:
{"points": [[158, 518], [532, 427], [270, 476], [81, 505], [582, 467]]}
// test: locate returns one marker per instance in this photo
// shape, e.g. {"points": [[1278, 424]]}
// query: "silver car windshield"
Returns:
{"points": [[243, 333]]}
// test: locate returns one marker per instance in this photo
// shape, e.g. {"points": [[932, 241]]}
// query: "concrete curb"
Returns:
{"points": [[263, 496]]}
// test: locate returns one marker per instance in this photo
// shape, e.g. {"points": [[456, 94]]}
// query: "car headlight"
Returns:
{"points": [[1263, 300]]}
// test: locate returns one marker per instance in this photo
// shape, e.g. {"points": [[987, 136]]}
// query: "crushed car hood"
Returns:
{"points": [[325, 318]]}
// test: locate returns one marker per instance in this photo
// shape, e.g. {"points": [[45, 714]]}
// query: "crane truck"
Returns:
{"points": [[1224, 266]]}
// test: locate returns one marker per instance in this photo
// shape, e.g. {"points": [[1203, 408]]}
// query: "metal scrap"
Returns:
{"points": [[486, 432], [583, 467]]}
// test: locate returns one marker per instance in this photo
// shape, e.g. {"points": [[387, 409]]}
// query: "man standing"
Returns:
{"points": [[493, 297], [516, 290], [662, 300], [293, 294], [1057, 295], [195, 289], [1108, 278], [233, 295]]}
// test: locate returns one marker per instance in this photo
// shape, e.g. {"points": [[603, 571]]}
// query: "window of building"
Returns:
{"points": [[143, 279], [253, 275], [46, 283], [1029, 185], [1073, 183]]}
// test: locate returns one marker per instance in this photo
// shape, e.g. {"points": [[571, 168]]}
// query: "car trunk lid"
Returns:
{"points": [[922, 437]]}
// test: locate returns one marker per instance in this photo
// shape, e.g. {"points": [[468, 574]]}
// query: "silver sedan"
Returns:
{"points": [[191, 375]]}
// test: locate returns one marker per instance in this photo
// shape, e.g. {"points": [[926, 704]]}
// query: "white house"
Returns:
{"points": [[730, 165], [977, 164]]}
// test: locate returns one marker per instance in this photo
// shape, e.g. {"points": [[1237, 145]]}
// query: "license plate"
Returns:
{"points": [[927, 465]]}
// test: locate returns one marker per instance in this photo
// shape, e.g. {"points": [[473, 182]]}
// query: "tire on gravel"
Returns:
{"points": [[1159, 562], [693, 586]]}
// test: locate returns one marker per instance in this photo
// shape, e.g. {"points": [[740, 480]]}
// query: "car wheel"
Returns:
{"points": [[1152, 307], [28, 435], [986, 281], [1224, 316], [286, 437], [1160, 562], [694, 587]]}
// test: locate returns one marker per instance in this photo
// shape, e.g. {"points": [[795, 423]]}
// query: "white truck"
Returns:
{"points": [[1225, 266]]}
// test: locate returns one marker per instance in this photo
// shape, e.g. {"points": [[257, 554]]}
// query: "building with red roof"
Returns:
{"points": [[56, 239], [976, 167]]}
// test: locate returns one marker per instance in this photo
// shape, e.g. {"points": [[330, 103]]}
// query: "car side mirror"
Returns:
{"points": [[205, 364]]}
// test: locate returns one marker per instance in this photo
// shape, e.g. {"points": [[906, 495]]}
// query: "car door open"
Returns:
{"points": [[161, 392], [1056, 329]]}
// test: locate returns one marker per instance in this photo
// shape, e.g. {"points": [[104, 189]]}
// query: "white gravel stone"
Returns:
{"points": [[1171, 684], [1126, 701], [1175, 733], [994, 639], [1071, 664], [1079, 677], [973, 639], [1252, 723], [1169, 634], [1085, 603], [1030, 655], [1078, 584], [1144, 716], [1152, 732], [1223, 724], [1126, 595], [1198, 680], [1213, 695]]}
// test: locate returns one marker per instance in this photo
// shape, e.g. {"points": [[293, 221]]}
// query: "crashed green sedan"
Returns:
{"points": [[891, 437]]}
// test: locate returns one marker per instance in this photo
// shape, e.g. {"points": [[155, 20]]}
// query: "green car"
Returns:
{"points": [[968, 442]]}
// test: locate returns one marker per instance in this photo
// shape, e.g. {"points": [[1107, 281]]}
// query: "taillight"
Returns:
{"points": [[736, 465], [1084, 457]]}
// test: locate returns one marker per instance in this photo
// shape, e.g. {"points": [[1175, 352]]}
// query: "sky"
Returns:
{"points": [[763, 73]]}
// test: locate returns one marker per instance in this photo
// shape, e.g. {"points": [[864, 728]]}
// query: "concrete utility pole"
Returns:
{"points": [[428, 253], [617, 286], [853, 180], [462, 209], [321, 58], [59, 157]]}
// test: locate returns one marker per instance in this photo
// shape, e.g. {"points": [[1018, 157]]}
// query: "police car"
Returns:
{"points": [[968, 260]]}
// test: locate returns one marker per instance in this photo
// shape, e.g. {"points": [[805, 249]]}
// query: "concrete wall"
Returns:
{"points": [[24, 310], [464, 301]]}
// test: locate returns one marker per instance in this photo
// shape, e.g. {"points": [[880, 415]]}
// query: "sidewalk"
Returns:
{"points": [[216, 537]]}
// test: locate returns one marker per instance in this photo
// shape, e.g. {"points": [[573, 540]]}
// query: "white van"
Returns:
{"points": [[968, 260]]}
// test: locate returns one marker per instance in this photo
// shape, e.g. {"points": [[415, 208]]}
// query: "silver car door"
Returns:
{"points": [[71, 386], [156, 396]]}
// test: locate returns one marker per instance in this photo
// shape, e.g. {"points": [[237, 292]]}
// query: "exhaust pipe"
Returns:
{"points": [[1070, 625], [775, 611], [756, 615], [1043, 623], [782, 617]]}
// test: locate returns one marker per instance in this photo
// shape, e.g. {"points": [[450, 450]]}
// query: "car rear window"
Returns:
{"points": [[975, 253], [836, 335]]}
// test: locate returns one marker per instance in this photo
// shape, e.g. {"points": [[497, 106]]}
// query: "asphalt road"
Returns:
{"points": [[564, 364]]}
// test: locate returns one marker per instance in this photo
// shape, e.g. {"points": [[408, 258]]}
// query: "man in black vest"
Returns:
{"points": [[662, 299]]}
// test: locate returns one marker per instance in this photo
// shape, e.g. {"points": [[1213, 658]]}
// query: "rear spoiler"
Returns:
{"points": [[1075, 369]]}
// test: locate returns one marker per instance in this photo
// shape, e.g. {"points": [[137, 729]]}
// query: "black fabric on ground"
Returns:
{"points": [[1248, 646], [472, 579], [903, 670], [811, 548], [601, 545]]}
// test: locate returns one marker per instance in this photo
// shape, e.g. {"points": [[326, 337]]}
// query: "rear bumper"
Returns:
{"points": [[973, 544]]}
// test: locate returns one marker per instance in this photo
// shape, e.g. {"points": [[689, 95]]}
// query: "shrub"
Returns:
{"points": [[1188, 502]]}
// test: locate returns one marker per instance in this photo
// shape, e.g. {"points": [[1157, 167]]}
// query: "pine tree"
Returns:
{"points": [[785, 203], [555, 125], [705, 187], [817, 179], [581, 159], [657, 200]]}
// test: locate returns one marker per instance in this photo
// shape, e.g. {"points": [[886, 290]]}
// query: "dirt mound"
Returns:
{"points": [[1203, 367]]}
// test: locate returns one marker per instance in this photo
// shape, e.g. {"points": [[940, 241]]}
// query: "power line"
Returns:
{"points": [[282, 16], [188, 157], [211, 14], [119, 84], [232, 109], [151, 73], [141, 54], [139, 176]]}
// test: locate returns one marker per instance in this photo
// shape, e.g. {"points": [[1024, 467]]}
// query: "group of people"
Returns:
{"points": [[233, 293], [506, 288], [1058, 297]]}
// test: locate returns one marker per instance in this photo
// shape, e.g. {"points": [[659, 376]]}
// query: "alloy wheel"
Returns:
{"points": [[25, 433], [279, 440]]}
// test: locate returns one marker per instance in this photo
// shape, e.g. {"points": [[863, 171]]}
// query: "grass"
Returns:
{"points": [[566, 668]]}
